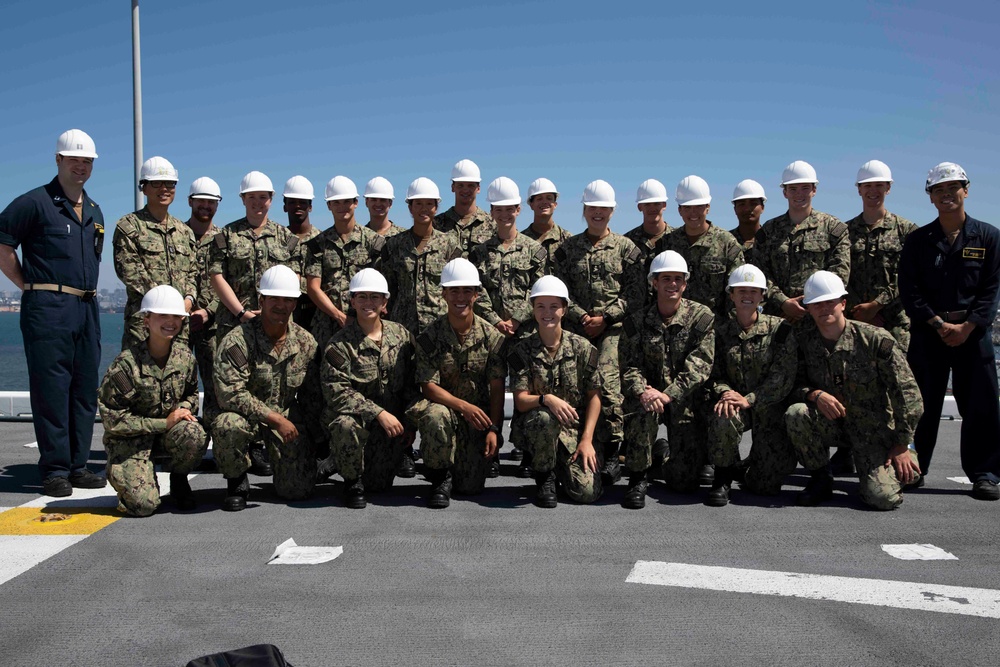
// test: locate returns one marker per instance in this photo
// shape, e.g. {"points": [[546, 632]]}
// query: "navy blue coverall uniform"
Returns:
{"points": [[958, 282], [62, 331]]}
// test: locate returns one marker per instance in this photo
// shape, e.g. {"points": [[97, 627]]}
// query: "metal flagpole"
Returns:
{"points": [[136, 102]]}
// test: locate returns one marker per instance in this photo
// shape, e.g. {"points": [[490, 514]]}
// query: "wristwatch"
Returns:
{"points": [[541, 400], [937, 323]]}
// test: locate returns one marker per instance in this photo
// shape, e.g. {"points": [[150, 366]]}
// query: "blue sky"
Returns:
{"points": [[572, 91]]}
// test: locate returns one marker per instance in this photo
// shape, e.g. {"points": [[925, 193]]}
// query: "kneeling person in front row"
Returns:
{"points": [[461, 373], [148, 401], [554, 380], [265, 372], [367, 376], [854, 385]]}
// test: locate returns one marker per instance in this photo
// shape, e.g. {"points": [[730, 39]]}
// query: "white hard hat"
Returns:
{"points": [[503, 192], [668, 260], [280, 280], [749, 189], [341, 187], [746, 275], [540, 186], [298, 187], [599, 193], [379, 188], [465, 171], [163, 300], [823, 286], [944, 172], [651, 190], [693, 191], [550, 286], [423, 188], [798, 172], [256, 181], [460, 272], [205, 188], [369, 280], [157, 168], [874, 171], [76, 143]]}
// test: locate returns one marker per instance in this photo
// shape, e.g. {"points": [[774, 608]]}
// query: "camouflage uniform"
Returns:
{"points": [[507, 273], [135, 398], [305, 312], [252, 379], [242, 257], [465, 370], [335, 260], [760, 364], [571, 374], [710, 259], [675, 358], [414, 277], [550, 240], [874, 270], [361, 378], [603, 279], [788, 254], [650, 248], [475, 228], [868, 374], [749, 254], [150, 253], [203, 341], [392, 231]]}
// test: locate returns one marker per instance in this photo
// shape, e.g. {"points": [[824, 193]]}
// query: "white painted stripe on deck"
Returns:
{"points": [[20, 553], [961, 480], [880, 593], [917, 552]]}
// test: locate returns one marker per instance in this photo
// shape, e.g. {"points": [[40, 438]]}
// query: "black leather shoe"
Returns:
{"points": [[525, 471], [635, 497], [494, 470], [984, 489], [516, 454], [84, 479], [818, 490], [180, 491], [440, 496], [260, 462], [706, 475], [57, 487], [354, 494], [238, 494], [718, 496], [545, 493], [406, 467]]}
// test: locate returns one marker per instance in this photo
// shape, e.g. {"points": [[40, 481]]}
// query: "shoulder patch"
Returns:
{"points": [[542, 255], [592, 361], [292, 242], [426, 343], [334, 356], [378, 243], [560, 255], [634, 254], [885, 348], [220, 241], [704, 323], [734, 250], [237, 356], [122, 382], [497, 344], [516, 361], [839, 230]]}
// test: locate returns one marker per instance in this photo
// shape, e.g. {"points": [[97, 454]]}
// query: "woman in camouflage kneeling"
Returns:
{"points": [[148, 401], [556, 395]]}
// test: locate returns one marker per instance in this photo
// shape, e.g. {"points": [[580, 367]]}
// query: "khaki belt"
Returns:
{"points": [[51, 287], [954, 315]]}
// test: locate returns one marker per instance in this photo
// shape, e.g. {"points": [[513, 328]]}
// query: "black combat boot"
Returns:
{"points": [[524, 471], [260, 462], [635, 497], [545, 495], [706, 475], [406, 468], [238, 494], [611, 471], [493, 471], [440, 496], [180, 491], [516, 454], [325, 467], [354, 494], [842, 462], [718, 496], [818, 490]]}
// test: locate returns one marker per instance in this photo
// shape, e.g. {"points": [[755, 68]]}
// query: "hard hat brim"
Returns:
{"points": [[77, 153], [462, 283], [202, 195], [243, 192], [293, 195], [874, 179], [280, 292], [506, 202], [829, 296], [466, 179], [695, 202], [341, 197], [165, 311], [761, 197], [652, 200], [796, 181], [601, 203]]}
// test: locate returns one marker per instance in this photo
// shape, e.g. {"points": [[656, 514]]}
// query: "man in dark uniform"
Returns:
{"points": [[949, 273], [61, 231]]}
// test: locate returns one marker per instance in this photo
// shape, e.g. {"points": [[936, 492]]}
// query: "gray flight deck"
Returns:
{"points": [[493, 580]]}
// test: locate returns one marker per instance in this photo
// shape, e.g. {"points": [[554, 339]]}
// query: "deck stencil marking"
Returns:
{"points": [[961, 480], [917, 552]]}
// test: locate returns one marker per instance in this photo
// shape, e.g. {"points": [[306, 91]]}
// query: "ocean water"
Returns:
{"points": [[14, 367]]}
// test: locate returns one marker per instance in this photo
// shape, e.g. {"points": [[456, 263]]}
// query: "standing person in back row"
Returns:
{"points": [[748, 205], [298, 203], [949, 274], [543, 198], [799, 242], [154, 248], [877, 238], [470, 224], [378, 200], [61, 233]]}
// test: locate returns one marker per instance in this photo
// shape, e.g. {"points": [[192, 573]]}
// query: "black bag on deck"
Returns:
{"points": [[260, 655]]}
